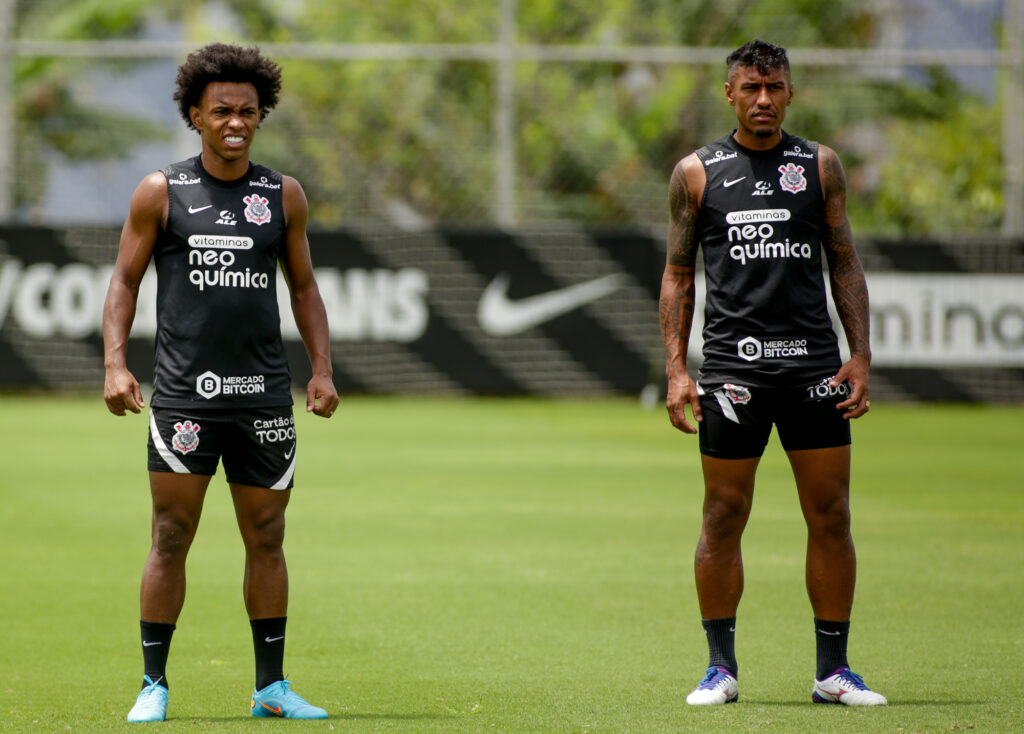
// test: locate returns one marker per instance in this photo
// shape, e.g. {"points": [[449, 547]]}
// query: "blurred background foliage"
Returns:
{"points": [[412, 141]]}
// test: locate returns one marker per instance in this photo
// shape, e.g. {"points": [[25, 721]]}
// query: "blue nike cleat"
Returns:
{"points": [[151, 704], [278, 700]]}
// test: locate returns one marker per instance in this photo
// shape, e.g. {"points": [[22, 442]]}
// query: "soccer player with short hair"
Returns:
{"points": [[217, 227], [763, 205]]}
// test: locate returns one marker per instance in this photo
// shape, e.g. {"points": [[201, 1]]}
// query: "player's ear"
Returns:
{"points": [[193, 114], [729, 95]]}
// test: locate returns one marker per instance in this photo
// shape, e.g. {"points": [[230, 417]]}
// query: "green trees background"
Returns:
{"points": [[413, 140]]}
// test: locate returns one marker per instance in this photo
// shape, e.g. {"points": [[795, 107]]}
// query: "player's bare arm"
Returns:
{"points": [[848, 285], [146, 217], [307, 305], [678, 290]]}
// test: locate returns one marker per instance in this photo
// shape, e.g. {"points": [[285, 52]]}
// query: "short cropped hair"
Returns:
{"points": [[220, 62], [760, 54]]}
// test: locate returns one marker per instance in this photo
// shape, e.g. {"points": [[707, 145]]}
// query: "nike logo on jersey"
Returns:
{"points": [[727, 183], [500, 316], [196, 210]]}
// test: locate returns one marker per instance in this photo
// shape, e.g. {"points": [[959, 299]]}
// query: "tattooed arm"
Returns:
{"points": [[849, 288], [678, 291]]}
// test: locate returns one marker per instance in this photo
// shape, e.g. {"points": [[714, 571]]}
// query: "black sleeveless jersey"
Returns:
{"points": [[218, 338], [760, 227]]}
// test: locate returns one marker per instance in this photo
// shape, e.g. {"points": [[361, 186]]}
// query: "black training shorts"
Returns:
{"points": [[738, 420], [257, 445]]}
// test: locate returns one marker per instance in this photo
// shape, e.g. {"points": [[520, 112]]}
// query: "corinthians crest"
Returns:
{"points": [[737, 394], [186, 439], [257, 211], [792, 179]]}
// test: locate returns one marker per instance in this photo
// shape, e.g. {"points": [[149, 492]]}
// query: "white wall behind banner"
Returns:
{"points": [[930, 320]]}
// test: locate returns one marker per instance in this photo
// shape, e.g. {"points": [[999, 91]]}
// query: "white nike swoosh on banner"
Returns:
{"points": [[192, 210], [727, 183], [499, 316]]}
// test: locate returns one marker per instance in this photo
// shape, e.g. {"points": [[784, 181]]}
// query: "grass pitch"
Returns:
{"points": [[514, 566]]}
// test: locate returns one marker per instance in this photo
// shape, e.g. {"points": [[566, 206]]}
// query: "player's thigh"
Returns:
{"points": [[736, 421], [262, 451], [823, 483]]}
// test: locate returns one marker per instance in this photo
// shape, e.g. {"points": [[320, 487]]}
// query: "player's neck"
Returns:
{"points": [[225, 170], [753, 142]]}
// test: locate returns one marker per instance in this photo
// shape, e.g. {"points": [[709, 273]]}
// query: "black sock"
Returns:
{"points": [[156, 644], [831, 638], [268, 643], [722, 643]]}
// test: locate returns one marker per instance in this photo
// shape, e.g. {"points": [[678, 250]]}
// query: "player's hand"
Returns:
{"points": [[855, 372], [321, 397], [121, 392], [682, 391]]}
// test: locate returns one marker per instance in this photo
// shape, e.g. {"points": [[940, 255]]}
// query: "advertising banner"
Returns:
{"points": [[539, 311]]}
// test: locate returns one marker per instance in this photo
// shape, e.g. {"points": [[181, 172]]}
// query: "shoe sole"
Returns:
{"points": [[734, 699]]}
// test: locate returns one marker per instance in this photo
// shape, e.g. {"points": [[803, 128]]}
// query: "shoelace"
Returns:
{"points": [[152, 686], [855, 680], [712, 680]]}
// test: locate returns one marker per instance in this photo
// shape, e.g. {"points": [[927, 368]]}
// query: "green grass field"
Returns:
{"points": [[514, 566]]}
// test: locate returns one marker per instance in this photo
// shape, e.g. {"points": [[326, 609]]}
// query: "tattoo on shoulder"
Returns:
{"points": [[682, 220]]}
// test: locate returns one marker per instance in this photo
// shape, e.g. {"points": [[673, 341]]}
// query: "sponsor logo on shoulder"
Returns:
{"points": [[257, 210], [796, 152], [264, 183], [719, 157], [183, 180], [792, 179], [186, 438]]}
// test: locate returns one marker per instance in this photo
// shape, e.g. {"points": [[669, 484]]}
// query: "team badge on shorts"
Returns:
{"points": [[186, 438], [737, 394], [792, 179], [257, 211]]}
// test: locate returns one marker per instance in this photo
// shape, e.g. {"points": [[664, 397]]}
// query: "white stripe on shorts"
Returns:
{"points": [[165, 453], [727, 410], [282, 483]]}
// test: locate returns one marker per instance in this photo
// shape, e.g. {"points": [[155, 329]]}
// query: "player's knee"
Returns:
{"points": [[831, 518], [725, 514], [172, 534], [265, 534]]}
